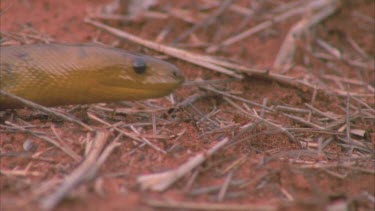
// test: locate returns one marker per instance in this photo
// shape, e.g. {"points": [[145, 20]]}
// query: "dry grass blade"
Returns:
{"points": [[103, 156], [233, 7], [63, 148], [300, 120], [174, 52], [310, 5], [349, 81], [216, 64], [347, 119], [162, 181], [129, 18], [331, 116], [261, 120], [215, 188], [235, 97], [205, 22], [127, 110], [79, 174], [347, 165], [225, 186], [130, 135], [208, 206], [22, 173], [44, 109], [286, 53]]}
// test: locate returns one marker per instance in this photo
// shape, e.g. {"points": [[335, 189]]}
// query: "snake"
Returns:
{"points": [[68, 74]]}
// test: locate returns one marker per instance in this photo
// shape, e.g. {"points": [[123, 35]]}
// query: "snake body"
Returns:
{"points": [[63, 74]]}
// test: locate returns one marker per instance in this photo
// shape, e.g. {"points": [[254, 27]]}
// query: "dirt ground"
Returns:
{"points": [[291, 147]]}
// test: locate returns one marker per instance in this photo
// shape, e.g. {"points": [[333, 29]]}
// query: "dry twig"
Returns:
{"points": [[79, 174], [211, 19], [62, 147], [161, 181], [208, 206], [217, 65], [183, 55], [286, 53], [44, 109], [310, 5]]}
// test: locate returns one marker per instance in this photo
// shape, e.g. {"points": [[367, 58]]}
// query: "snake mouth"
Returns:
{"points": [[120, 92], [154, 91], [149, 84]]}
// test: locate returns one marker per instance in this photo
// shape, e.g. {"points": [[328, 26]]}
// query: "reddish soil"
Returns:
{"points": [[270, 169]]}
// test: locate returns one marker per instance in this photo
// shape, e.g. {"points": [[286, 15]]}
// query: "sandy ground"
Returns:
{"points": [[320, 167]]}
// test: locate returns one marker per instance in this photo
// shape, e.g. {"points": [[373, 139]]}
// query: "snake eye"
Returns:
{"points": [[139, 66]]}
